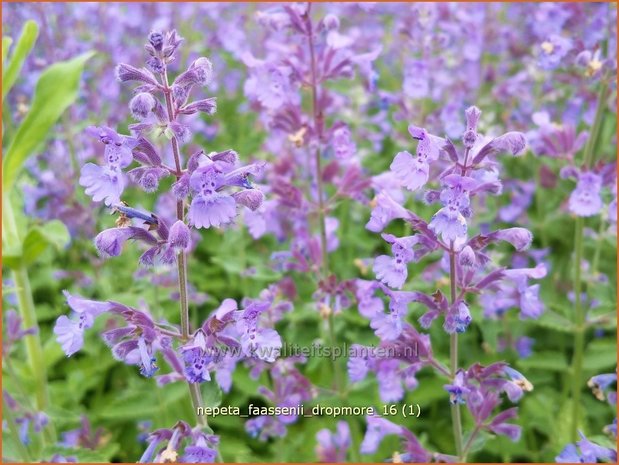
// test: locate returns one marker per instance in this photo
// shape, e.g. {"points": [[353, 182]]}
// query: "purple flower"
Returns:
{"points": [[358, 366], [70, 332], [208, 207], [520, 238], [416, 83], [103, 183], [13, 330], [333, 447], [552, 51], [109, 242], [377, 429], [179, 236], [516, 385], [457, 318], [108, 182], [268, 84], [199, 452], [197, 358], [412, 172], [601, 385], [499, 425], [585, 200], [450, 220], [585, 451], [385, 210], [343, 144], [524, 346], [265, 427], [369, 304], [393, 271], [142, 105], [458, 389], [389, 326], [263, 343]]}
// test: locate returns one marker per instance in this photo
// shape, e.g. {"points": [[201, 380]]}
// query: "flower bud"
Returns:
{"points": [[126, 73], [466, 257], [179, 236], [208, 106], [251, 198], [155, 65], [180, 131], [155, 38], [203, 69], [181, 187], [331, 22], [142, 105], [472, 118], [109, 243], [520, 238]]}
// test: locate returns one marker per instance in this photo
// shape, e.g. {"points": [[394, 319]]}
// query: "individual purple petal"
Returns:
{"points": [[389, 271], [585, 200], [412, 172], [142, 105], [385, 210], [449, 224], [216, 210], [102, 183], [377, 429], [69, 335], [520, 238], [179, 236]]}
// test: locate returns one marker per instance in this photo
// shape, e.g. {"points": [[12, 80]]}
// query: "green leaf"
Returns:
{"points": [[26, 41], [55, 91], [53, 233], [554, 361], [601, 355], [100, 455], [6, 44], [553, 320], [211, 394]]}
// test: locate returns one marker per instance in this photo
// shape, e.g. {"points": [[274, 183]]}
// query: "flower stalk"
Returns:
{"points": [[317, 120], [181, 263], [453, 357], [27, 311], [580, 313]]}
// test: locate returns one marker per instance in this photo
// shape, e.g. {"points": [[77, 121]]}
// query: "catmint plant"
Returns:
{"points": [[209, 189], [455, 181], [318, 163]]}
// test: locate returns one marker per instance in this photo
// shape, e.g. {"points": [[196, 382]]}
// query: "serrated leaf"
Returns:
{"points": [[55, 91], [24, 45]]}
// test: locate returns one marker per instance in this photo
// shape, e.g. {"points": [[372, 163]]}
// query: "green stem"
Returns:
{"points": [[456, 420], [27, 311], [580, 315], [7, 413], [579, 337], [469, 443], [597, 124], [595, 263], [318, 122]]}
